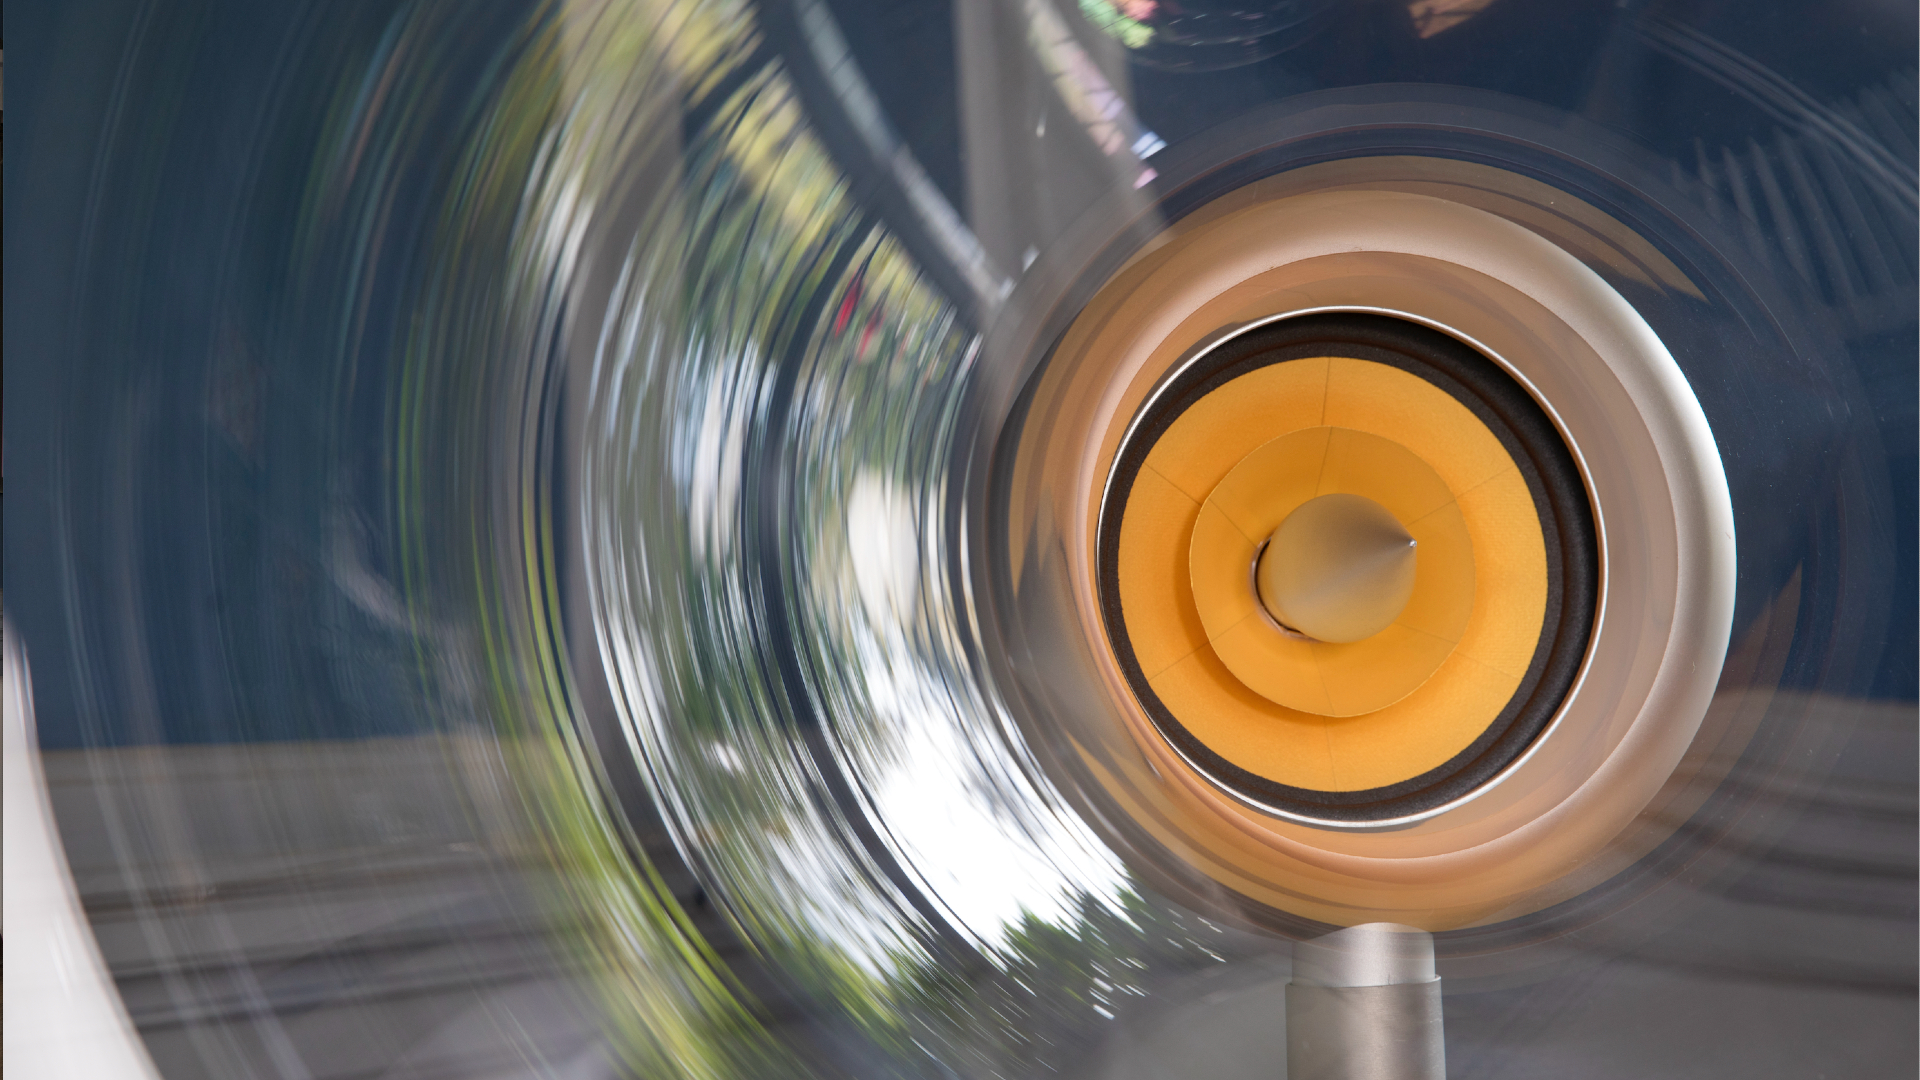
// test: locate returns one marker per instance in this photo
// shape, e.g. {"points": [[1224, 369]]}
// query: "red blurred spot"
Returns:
{"points": [[845, 315]]}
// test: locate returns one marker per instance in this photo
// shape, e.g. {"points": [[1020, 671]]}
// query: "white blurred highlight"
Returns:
{"points": [[63, 1015]]}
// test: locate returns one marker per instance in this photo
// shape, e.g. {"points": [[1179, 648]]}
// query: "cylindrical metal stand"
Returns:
{"points": [[1364, 1004]]}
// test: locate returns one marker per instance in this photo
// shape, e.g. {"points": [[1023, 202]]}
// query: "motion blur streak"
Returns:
{"points": [[498, 511], [741, 392], [65, 1020]]}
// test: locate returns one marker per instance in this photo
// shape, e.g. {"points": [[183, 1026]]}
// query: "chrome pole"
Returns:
{"points": [[1364, 1004]]}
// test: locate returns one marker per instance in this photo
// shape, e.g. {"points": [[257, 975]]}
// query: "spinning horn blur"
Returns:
{"points": [[1006, 538]]}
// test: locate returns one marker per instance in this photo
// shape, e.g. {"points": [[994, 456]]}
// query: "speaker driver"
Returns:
{"points": [[1380, 329], [1385, 723]]}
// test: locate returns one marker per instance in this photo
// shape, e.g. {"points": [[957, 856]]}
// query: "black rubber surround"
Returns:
{"points": [[1559, 497]]}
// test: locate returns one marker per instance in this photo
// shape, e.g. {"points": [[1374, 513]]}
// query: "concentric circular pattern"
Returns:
{"points": [[1262, 491], [1492, 638]]}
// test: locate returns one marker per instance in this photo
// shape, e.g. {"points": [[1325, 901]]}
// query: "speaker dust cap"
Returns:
{"points": [[1339, 569]]}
